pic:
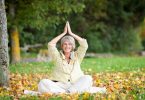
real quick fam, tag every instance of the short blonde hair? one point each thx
(70, 39)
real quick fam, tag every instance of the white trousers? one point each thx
(84, 84)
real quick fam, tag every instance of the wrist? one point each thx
(71, 33)
(64, 33)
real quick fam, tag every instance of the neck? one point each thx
(67, 54)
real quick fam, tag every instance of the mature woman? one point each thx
(67, 76)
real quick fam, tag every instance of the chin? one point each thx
(67, 51)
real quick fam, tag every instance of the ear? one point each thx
(72, 48)
(61, 46)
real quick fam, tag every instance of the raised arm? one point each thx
(56, 39)
(78, 38)
(83, 44)
(52, 50)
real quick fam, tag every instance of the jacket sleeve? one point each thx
(81, 51)
(53, 53)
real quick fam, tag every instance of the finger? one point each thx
(65, 28)
(68, 26)
(66, 22)
(65, 25)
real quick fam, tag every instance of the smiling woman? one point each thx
(68, 45)
(68, 41)
(67, 76)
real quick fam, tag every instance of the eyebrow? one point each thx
(68, 43)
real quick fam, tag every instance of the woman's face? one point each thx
(67, 46)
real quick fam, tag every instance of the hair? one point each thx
(70, 39)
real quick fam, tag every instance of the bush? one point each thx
(106, 39)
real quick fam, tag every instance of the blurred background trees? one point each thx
(36, 21)
(109, 26)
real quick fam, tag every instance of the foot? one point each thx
(97, 90)
(31, 92)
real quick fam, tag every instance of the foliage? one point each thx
(111, 25)
(35, 18)
(119, 86)
(122, 76)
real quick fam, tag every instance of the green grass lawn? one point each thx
(113, 64)
(127, 72)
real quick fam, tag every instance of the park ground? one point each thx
(124, 78)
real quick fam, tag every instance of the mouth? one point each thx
(67, 49)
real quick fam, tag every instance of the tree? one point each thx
(32, 18)
(113, 24)
(4, 59)
(104, 22)
(14, 34)
(15, 47)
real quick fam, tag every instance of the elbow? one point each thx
(51, 44)
(85, 44)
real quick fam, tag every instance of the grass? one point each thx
(97, 65)
(33, 67)
(113, 64)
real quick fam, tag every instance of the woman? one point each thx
(67, 76)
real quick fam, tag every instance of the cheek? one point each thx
(71, 47)
(62, 46)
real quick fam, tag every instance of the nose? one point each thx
(67, 45)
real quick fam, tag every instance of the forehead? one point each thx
(66, 42)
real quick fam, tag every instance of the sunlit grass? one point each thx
(33, 67)
(122, 76)
(114, 64)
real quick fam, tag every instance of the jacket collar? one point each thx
(71, 55)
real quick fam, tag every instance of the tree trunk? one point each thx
(15, 47)
(4, 58)
(14, 36)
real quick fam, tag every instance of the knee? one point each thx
(44, 81)
(44, 85)
(88, 78)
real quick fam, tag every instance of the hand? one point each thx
(65, 28)
(69, 29)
